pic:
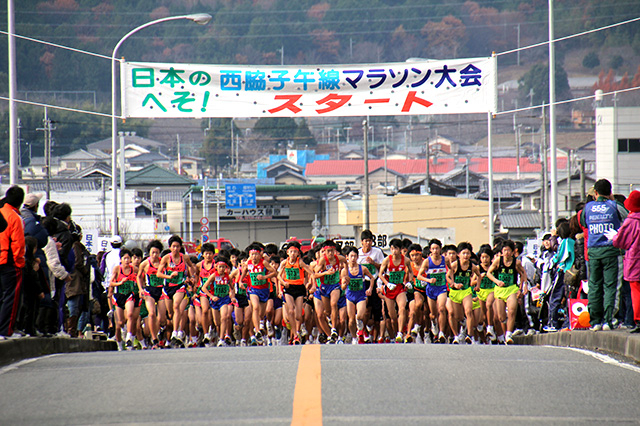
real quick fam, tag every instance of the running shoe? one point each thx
(360, 339)
(549, 329)
(322, 338)
(408, 339)
(253, 341)
(120, 346)
(227, 339)
(415, 330)
(259, 338)
(596, 327)
(136, 344)
(606, 327)
(456, 340)
(334, 334)
(270, 332)
(340, 341)
(129, 342)
(206, 339)
(508, 338)
(441, 337)
(243, 342)
(367, 335)
(296, 340)
(468, 340)
(221, 343)
(434, 328)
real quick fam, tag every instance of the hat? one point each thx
(632, 203)
(31, 200)
(116, 239)
(592, 192)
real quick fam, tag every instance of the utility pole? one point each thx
(427, 186)
(19, 144)
(179, 156)
(47, 149)
(237, 156)
(367, 223)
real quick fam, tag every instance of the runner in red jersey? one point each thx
(395, 272)
(151, 290)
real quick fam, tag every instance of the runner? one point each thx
(485, 291)
(316, 299)
(504, 273)
(242, 309)
(179, 270)
(416, 294)
(328, 268)
(353, 280)
(259, 272)
(294, 275)
(395, 271)
(206, 269)
(459, 278)
(221, 293)
(125, 297)
(371, 257)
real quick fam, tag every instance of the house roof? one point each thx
(536, 185)
(290, 172)
(503, 189)
(105, 144)
(519, 219)
(155, 175)
(97, 168)
(285, 163)
(63, 185)
(81, 154)
(150, 157)
(418, 167)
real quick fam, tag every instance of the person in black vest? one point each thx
(605, 260)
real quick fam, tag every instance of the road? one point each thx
(368, 384)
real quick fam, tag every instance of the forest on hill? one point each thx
(300, 32)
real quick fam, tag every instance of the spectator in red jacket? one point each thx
(12, 249)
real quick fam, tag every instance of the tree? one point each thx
(277, 130)
(216, 148)
(537, 80)
(591, 60)
(444, 37)
(616, 62)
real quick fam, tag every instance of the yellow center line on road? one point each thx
(307, 397)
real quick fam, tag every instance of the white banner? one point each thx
(455, 86)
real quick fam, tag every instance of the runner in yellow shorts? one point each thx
(504, 273)
(459, 278)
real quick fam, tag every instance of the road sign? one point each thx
(205, 238)
(240, 196)
(204, 221)
(204, 229)
(167, 228)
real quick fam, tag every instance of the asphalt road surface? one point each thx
(313, 384)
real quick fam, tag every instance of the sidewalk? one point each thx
(619, 342)
(13, 350)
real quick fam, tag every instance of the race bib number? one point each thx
(221, 290)
(292, 274)
(255, 281)
(355, 284)
(507, 279)
(331, 279)
(441, 279)
(396, 277)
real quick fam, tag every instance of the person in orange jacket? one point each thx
(12, 250)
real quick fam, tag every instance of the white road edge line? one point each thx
(603, 358)
(18, 364)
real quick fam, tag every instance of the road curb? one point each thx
(617, 342)
(13, 350)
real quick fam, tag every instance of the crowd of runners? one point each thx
(330, 294)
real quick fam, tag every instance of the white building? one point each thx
(618, 147)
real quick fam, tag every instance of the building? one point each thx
(618, 147)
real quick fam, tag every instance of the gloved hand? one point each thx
(610, 233)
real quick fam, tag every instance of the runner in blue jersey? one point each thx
(353, 281)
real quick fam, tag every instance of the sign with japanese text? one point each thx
(278, 211)
(240, 196)
(455, 86)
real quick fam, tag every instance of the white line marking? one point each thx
(18, 364)
(602, 358)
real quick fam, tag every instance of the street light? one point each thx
(198, 18)
(153, 214)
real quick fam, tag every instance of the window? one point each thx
(628, 145)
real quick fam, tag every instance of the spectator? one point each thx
(599, 216)
(32, 225)
(628, 238)
(564, 259)
(47, 321)
(12, 262)
(77, 290)
(33, 288)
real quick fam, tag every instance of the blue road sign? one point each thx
(240, 196)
